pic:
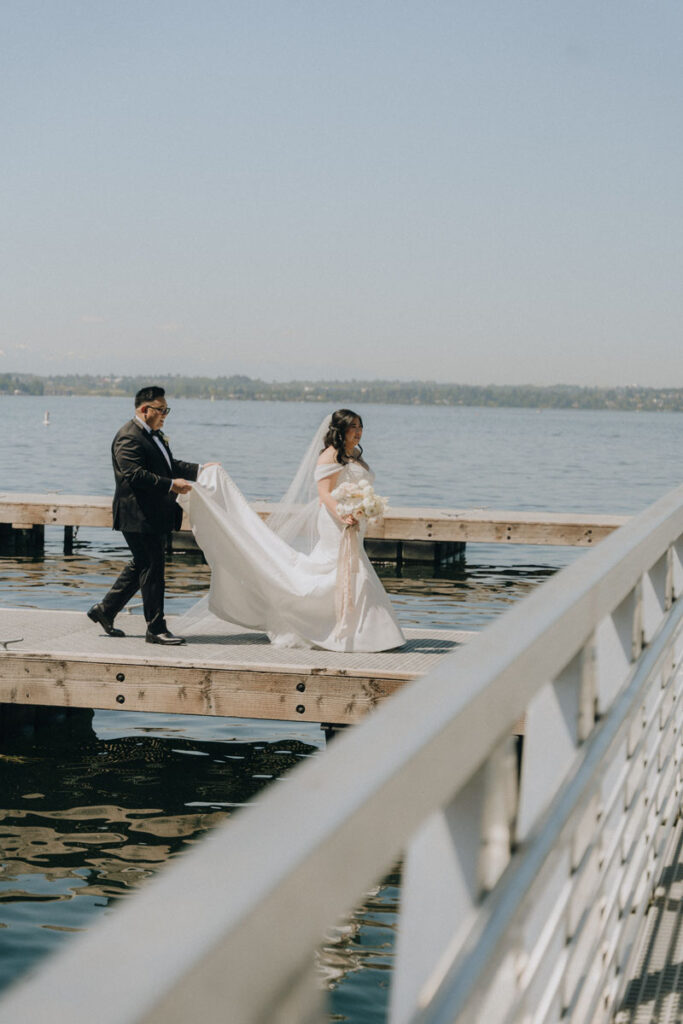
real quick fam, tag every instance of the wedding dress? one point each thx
(260, 581)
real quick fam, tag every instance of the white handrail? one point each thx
(228, 931)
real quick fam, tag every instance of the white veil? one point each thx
(295, 517)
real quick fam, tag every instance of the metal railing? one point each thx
(522, 891)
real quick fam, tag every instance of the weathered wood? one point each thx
(211, 691)
(493, 527)
(485, 526)
(65, 661)
(56, 509)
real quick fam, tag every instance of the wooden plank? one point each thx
(63, 660)
(280, 696)
(495, 526)
(484, 526)
(56, 509)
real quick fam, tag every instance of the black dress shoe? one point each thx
(168, 639)
(97, 614)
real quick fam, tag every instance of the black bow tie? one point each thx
(156, 433)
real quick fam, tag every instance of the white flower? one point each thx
(359, 500)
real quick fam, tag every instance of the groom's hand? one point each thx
(181, 486)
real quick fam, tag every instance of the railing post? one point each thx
(587, 698)
(616, 644)
(441, 885)
(655, 597)
(675, 554)
(499, 813)
(551, 737)
(459, 854)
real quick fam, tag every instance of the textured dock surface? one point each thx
(63, 659)
(655, 987)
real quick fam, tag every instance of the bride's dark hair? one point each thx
(341, 420)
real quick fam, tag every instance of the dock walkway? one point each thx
(64, 660)
(437, 525)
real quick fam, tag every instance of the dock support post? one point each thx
(430, 553)
(438, 555)
(331, 729)
(21, 723)
(22, 538)
(68, 540)
(17, 721)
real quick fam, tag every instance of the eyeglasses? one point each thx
(164, 412)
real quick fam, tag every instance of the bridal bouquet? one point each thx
(359, 500)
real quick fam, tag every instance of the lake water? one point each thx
(87, 816)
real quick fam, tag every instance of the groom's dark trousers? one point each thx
(146, 511)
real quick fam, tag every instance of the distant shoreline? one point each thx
(339, 393)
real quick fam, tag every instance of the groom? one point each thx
(148, 479)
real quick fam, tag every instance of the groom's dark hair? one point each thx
(148, 394)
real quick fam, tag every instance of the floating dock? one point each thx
(62, 659)
(405, 534)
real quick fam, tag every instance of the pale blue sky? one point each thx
(476, 192)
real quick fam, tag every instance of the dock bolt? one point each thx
(301, 687)
(300, 709)
(120, 699)
(120, 678)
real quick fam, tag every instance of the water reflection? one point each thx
(460, 597)
(85, 822)
(457, 597)
(356, 958)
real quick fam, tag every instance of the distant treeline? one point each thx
(347, 392)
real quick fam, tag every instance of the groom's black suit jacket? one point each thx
(143, 500)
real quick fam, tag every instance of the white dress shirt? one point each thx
(158, 443)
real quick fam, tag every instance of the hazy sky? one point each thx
(466, 191)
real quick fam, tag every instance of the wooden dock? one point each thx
(62, 659)
(401, 526)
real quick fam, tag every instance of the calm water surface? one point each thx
(89, 815)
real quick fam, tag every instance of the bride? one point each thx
(304, 577)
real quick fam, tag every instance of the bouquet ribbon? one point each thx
(347, 569)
